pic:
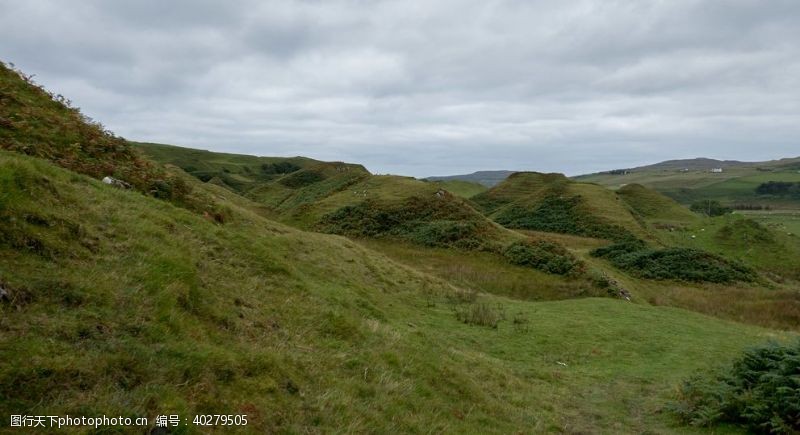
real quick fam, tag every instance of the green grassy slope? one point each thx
(464, 189)
(236, 171)
(735, 185)
(170, 312)
(552, 202)
(654, 206)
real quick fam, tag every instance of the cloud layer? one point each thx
(424, 87)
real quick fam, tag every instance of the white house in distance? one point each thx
(716, 170)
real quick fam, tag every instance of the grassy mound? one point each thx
(553, 203)
(745, 233)
(673, 263)
(429, 221)
(651, 204)
(238, 172)
(760, 391)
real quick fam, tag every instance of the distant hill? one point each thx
(487, 178)
(732, 182)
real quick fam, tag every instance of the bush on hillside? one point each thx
(427, 221)
(559, 214)
(673, 263)
(301, 179)
(710, 208)
(545, 256)
(760, 391)
(278, 168)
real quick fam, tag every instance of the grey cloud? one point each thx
(423, 87)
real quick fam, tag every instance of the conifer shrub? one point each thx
(759, 391)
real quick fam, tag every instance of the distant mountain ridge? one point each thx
(487, 178)
(703, 163)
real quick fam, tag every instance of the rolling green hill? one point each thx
(688, 181)
(236, 171)
(181, 297)
(552, 202)
(485, 178)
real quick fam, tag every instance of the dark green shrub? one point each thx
(760, 391)
(779, 188)
(426, 221)
(673, 263)
(545, 256)
(279, 168)
(301, 179)
(559, 214)
(710, 208)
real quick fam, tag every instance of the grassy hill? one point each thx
(133, 302)
(688, 181)
(486, 178)
(553, 203)
(464, 189)
(236, 171)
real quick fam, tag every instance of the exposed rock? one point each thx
(116, 183)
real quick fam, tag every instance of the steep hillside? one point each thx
(553, 203)
(38, 123)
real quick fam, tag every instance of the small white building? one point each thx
(716, 170)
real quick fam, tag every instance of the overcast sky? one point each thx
(428, 87)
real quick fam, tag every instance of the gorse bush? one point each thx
(545, 256)
(760, 391)
(673, 263)
(559, 214)
(435, 222)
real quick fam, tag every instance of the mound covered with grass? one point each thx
(553, 203)
(677, 263)
(236, 172)
(653, 205)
